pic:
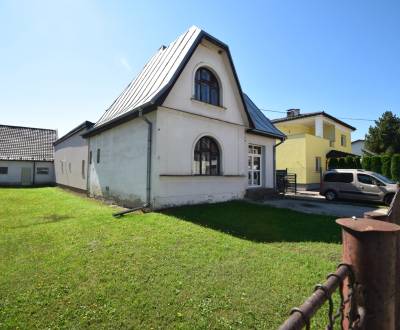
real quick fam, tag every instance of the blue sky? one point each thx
(63, 62)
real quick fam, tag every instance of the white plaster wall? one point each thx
(121, 173)
(357, 148)
(14, 172)
(71, 151)
(182, 93)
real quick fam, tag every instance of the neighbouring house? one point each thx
(312, 138)
(26, 156)
(358, 148)
(182, 132)
(71, 158)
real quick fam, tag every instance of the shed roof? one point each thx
(26, 143)
(85, 125)
(150, 88)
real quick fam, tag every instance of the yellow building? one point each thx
(311, 139)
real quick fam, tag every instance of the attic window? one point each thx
(206, 87)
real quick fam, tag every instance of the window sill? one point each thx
(219, 107)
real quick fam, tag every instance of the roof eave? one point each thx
(266, 134)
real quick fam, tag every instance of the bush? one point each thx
(395, 167)
(349, 161)
(386, 163)
(332, 163)
(341, 163)
(366, 163)
(357, 161)
(376, 164)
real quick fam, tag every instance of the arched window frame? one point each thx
(207, 87)
(207, 157)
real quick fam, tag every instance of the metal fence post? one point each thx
(370, 247)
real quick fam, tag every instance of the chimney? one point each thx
(292, 113)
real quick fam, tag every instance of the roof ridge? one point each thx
(27, 127)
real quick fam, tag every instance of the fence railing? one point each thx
(346, 311)
(286, 182)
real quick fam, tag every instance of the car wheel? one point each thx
(330, 195)
(388, 199)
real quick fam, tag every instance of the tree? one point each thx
(349, 160)
(332, 163)
(376, 164)
(386, 164)
(366, 163)
(395, 167)
(384, 137)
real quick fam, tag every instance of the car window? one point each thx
(383, 178)
(367, 179)
(339, 177)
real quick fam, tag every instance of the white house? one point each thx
(182, 132)
(26, 156)
(358, 148)
(71, 158)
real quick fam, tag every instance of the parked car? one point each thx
(357, 184)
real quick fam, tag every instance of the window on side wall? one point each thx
(3, 170)
(98, 155)
(42, 170)
(317, 164)
(62, 166)
(83, 169)
(90, 157)
(69, 167)
(343, 140)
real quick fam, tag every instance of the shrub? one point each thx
(376, 164)
(349, 161)
(332, 163)
(395, 167)
(386, 162)
(366, 163)
(341, 163)
(357, 161)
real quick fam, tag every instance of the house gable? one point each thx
(182, 95)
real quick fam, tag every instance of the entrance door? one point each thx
(254, 166)
(26, 176)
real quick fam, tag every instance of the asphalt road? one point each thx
(336, 209)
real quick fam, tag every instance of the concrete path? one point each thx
(336, 209)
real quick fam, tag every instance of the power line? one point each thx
(345, 118)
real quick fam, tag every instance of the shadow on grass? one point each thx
(51, 218)
(260, 223)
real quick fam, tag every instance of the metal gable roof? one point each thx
(262, 124)
(150, 88)
(26, 143)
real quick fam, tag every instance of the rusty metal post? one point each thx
(370, 246)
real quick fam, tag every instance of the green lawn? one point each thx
(65, 262)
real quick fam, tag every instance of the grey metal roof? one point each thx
(84, 126)
(261, 123)
(26, 143)
(150, 88)
(154, 77)
(312, 114)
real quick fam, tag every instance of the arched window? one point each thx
(206, 157)
(206, 87)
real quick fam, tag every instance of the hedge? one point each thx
(376, 164)
(386, 165)
(332, 163)
(395, 167)
(366, 163)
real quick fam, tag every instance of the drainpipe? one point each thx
(274, 160)
(149, 148)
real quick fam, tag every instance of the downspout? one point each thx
(274, 159)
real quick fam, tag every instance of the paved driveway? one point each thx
(337, 209)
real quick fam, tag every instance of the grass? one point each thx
(67, 263)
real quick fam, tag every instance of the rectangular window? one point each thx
(98, 155)
(90, 157)
(254, 165)
(62, 166)
(83, 169)
(42, 170)
(69, 167)
(317, 164)
(343, 140)
(339, 177)
(3, 170)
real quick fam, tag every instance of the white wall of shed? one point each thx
(72, 151)
(13, 177)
